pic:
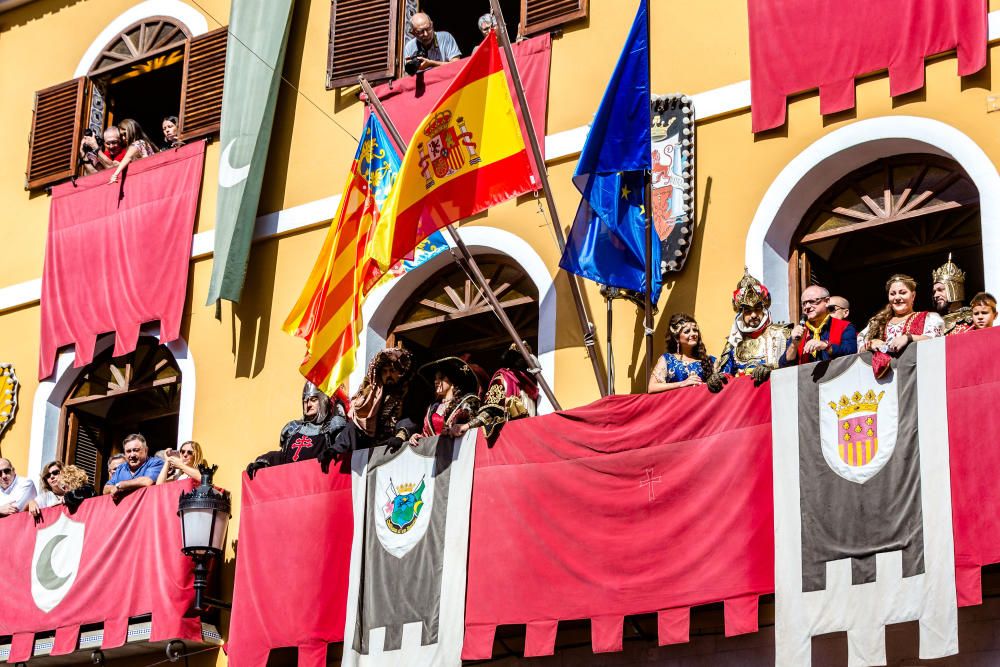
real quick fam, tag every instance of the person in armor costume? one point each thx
(755, 345)
(456, 397)
(948, 294)
(512, 394)
(311, 437)
(381, 410)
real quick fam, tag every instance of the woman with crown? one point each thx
(755, 345)
(897, 325)
(686, 363)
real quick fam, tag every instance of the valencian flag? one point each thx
(862, 505)
(328, 312)
(467, 155)
(255, 53)
(607, 243)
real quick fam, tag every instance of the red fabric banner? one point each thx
(407, 101)
(799, 45)
(104, 564)
(296, 527)
(630, 505)
(973, 394)
(117, 255)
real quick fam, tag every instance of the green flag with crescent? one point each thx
(258, 32)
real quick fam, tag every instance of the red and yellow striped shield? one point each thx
(858, 437)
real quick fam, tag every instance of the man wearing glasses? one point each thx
(429, 48)
(15, 492)
(820, 336)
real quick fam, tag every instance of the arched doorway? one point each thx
(898, 214)
(115, 396)
(449, 316)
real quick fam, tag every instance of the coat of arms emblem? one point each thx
(8, 395)
(444, 154)
(859, 421)
(404, 501)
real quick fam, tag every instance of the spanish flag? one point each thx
(467, 155)
(328, 312)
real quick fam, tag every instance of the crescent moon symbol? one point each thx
(47, 577)
(228, 174)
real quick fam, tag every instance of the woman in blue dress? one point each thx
(686, 363)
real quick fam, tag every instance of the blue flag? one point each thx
(607, 242)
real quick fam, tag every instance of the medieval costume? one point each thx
(311, 437)
(378, 413)
(512, 394)
(750, 349)
(446, 413)
(957, 318)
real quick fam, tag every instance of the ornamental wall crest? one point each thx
(9, 387)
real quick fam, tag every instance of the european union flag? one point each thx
(607, 242)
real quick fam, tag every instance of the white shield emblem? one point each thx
(56, 561)
(858, 421)
(404, 497)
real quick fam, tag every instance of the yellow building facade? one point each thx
(240, 378)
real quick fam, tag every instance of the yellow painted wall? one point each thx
(247, 379)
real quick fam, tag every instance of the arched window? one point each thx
(449, 316)
(151, 69)
(902, 214)
(115, 396)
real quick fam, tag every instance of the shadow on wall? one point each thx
(681, 298)
(272, 193)
(253, 312)
(33, 11)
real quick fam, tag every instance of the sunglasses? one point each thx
(52, 473)
(187, 451)
(6, 471)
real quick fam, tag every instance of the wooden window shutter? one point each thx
(201, 94)
(85, 448)
(540, 15)
(55, 128)
(364, 39)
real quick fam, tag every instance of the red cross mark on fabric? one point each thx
(649, 482)
(303, 442)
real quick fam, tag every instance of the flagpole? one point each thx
(581, 309)
(648, 301)
(477, 274)
(648, 196)
(609, 294)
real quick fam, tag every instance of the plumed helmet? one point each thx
(750, 293)
(953, 279)
(310, 390)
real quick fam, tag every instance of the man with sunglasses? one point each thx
(15, 492)
(839, 307)
(819, 336)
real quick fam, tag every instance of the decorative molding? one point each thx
(186, 14)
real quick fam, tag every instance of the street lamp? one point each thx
(205, 512)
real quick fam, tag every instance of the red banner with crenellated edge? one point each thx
(117, 255)
(800, 45)
(296, 527)
(630, 505)
(104, 564)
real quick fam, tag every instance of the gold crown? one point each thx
(438, 124)
(405, 488)
(952, 277)
(857, 403)
(658, 130)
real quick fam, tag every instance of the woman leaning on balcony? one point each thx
(897, 325)
(686, 363)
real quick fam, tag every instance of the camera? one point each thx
(412, 64)
(98, 139)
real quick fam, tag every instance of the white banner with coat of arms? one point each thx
(862, 505)
(406, 596)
